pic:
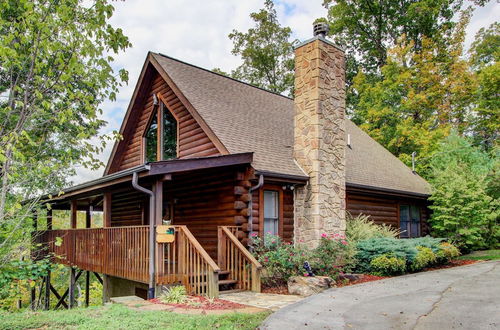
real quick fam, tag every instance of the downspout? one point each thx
(250, 216)
(135, 184)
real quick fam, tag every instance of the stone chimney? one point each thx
(319, 133)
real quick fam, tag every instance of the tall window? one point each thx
(164, 135)
(271, 212)
(409, 221)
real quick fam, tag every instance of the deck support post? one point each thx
(33, 256)
(87, 289)
(47, 292)
(72, 281)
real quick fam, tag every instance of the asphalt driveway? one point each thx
(466, 297)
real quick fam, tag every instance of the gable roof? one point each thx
(246, 118)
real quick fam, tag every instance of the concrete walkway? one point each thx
(261, 300)
(466, 297)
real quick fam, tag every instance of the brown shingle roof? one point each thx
(249, 119)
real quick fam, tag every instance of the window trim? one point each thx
(159, 108)
(279, 190)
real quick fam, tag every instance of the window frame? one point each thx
(420, 219)
(279, 190)
(159, 108)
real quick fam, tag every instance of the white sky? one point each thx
(196, 31)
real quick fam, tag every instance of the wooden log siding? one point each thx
(205, 200)
(384, 210)
(193, 142)
(127, 208)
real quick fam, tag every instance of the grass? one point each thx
(482, 255)
(121, 317)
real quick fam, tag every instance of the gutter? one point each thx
(250, 216)
(151, 284)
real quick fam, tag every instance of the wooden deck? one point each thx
(124, 252)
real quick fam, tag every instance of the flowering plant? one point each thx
(334, 255)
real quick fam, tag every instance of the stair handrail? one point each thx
(255, 265)
(199, 248)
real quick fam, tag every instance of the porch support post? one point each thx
(72, 281)
(74, 213)
(87, 288)
(158, 191)
(106, 206)
(47, 291)
(34, 254)
(88, 216)
(49, 219)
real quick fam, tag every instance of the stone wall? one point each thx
(319, 146)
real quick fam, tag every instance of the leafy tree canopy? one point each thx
(464, 209)
(55, 70)
(266, 51)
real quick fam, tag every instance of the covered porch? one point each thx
(206, 203)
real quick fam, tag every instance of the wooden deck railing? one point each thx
(235, 258)
(117, 251)
(185, 261)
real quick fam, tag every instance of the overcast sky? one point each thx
(196, 32)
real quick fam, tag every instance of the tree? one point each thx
(55, 70)
(484, 58)
(420, 97)
(266, 51)
(463, 210)
(368, 29)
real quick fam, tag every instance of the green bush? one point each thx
(446, 252)
(280, 260)
(388, 264)
(406, 249)
(174, 295)
(361, 227)
(333, 255)
(424, 258)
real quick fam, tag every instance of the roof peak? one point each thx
(221, 75)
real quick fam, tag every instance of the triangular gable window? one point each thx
(164, 135)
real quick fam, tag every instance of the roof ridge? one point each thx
(221, 75)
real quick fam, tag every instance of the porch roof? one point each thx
(150, 170)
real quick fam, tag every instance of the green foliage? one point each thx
(116, 316)
(17, 277)
(447, 252)
(463, 210)
(387, 265)
(174, 295)
(482, 255)
(402, 248)
(424, 258)
(56, 70)
(361, 227)
(281, 260)
(266, 51)
(333, 255)
(368, 29)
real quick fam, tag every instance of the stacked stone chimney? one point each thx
(319, 131)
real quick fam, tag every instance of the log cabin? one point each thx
(214, 160)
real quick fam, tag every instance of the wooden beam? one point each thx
(74, 213)
(98, 277)
(107, 209)
(88, 216)
(158, 191)
(72, 282)
(47, 292)
(87, 289)
(49, 219)
(58, 296)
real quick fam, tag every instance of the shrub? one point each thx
(281, 260)
(174, 295)
(425, 257)
(401, 248)
(333, 255)
(446, 252)
(361, 227)
(388, 264)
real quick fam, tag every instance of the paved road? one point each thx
(466, 297)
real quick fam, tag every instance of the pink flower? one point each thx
(254, 235)
(306, 274)
(324, 235)
(343, 242)
(266, 259)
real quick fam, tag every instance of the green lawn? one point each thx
(120, 317)
(482, 255)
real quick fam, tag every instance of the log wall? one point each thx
(127, 208)
(193, 142)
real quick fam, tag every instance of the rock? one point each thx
(306, 286)
(350, 277)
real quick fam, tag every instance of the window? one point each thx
(167, 138)
(409, 221)
(271, 212)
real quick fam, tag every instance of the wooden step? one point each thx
(224, 272)
(230, 291)
(226, 282)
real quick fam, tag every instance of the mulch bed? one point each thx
(362, 279)
(276, 289)
(453, 263)
(197, 302)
